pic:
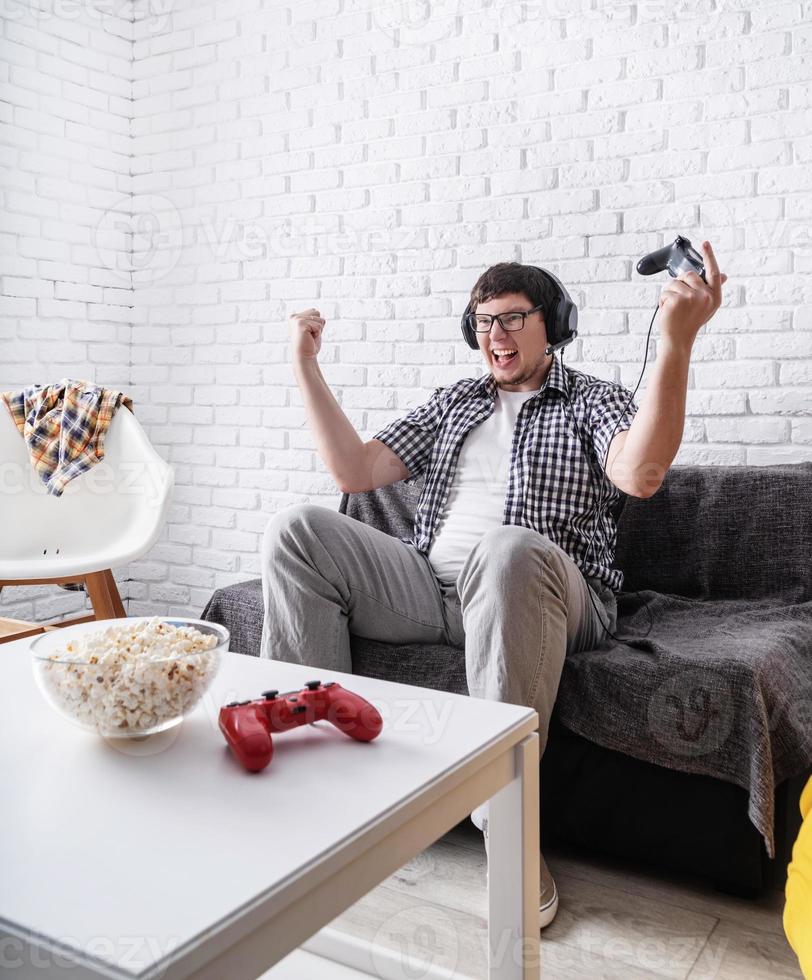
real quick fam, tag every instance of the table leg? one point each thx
(513, 871)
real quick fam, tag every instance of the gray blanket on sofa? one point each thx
(712, 671)
(721, 687)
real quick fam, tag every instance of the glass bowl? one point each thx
(125, 694)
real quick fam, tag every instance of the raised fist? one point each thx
(305, 334)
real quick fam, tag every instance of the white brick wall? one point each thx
(370, 161)
(65, 306)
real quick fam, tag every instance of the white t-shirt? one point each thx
(476, 499)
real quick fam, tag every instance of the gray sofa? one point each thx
(686, 741)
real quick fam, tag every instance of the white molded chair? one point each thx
(108, 516)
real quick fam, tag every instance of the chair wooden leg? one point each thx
(104, 597)
(100, 598)
(112, 588)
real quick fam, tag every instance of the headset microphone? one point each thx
(552, 348)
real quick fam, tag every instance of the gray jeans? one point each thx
(520, 603)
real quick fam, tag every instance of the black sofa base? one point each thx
(608, 802)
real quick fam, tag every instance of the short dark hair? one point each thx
(513, 277)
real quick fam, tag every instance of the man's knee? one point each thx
(509, 558)
(511, 546)
(292, 524)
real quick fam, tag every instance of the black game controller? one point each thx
(677, 258)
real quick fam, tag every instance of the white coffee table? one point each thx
(163, 858)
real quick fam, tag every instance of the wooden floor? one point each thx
(616, 921)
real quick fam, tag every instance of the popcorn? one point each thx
(131, 679)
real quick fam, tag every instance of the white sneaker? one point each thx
(548, 895)
(548, 891)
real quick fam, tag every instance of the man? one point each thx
(501, 555)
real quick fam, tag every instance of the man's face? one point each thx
(525, 369)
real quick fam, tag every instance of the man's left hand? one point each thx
(687, 302)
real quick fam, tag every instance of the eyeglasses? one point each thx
(482, 322)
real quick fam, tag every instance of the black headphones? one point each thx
(561, 320)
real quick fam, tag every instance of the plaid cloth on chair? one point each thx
(64, 426)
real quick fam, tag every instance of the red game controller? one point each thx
(247, 725)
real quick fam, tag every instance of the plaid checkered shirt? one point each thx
(64, 425)
(553, 483)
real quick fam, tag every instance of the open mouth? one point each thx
(504, 357)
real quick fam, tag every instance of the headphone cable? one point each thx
(603, 478)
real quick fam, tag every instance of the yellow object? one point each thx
(798, 908)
